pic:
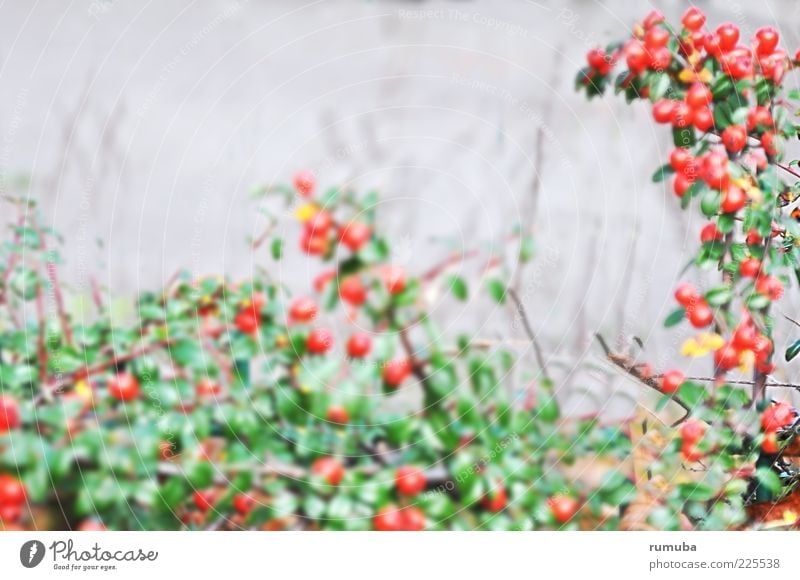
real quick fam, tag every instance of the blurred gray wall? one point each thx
(146, 124)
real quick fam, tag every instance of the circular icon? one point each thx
(31, 553)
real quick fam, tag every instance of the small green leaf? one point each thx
(662, 173)
(458, 287)
(692, 393)
(793, 350)
(719, 296)
(497, 290)
(277, 249)
(674, 317)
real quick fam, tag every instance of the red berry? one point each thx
(733, 199)
(496, 500)
(355, 235)
(319, 341)
(247, 321)
(681, 115)
(599, 61)
(313, 244)
(320, 224)
(359, 344)
(753, 238)
(328, 469)
(656, 37)
(672, 380)
(763, 348)
(759, 118)
(744, 337)
(636, 56)
(703, 119)
(734, 138)
(710, 233)
(563, 507)
(700, 314)
(749, 267)
(396, 371)
(304, 183)
(410, 480)
(770, 443)
(10, 513)
(698, 96)
(653, 17)
(713, 45)
(714, 170)
(681, 184)
(389, 519)
(413, 519)
(123, 387)
(686, 294)
(9, 413)
(243, 503)
(692, 431)
(728, 36)
(679, 158)
(204, 499)
(352, 291)
(726, 358)
(767, 40)
(662, 111)
(769, 286)
(768, 143)
(660, 59)
(691, 453)
(693, 19)
(303, 309)
(394, 278)
(777, 416)
(206, 387)
(322, 279)
(337, 414)
(12, 491)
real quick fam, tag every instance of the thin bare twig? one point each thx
(625, 363)
(526, 324)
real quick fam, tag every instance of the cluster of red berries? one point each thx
(205, 499)
(774, 418)
(649, 48)
(698, 311)
(320, 231)
(12, 498)
(391, 518)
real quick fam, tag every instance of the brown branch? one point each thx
(526, 324)
(41, 347)
(97, 296)
(58, 295)
(625, 363)
(103, 366)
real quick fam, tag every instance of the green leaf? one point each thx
(674, 317)
(458, 286)
(526, 249)
(692, 393)
(497, 290)
(793, 350)
(719, 296)
(277, 249)
(658, 84)
(709, 204)
(769, 480)
(662, 173)
(721, 87)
